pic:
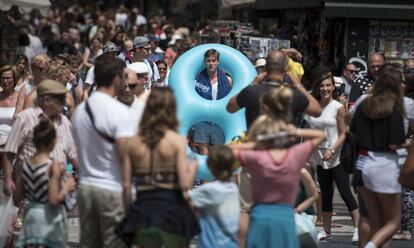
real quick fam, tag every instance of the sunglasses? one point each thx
(352, 71)
(145, 48)
(131, 86)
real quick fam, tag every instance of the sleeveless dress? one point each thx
(159, 204)
(44, 224)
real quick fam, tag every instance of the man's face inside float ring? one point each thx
(212, 63)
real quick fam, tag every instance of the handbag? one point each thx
(349, 153)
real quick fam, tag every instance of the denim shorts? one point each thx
(208, 133)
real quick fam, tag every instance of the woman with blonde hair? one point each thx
(40, 65)
(275, 170)
(58, 70)
(160, 215)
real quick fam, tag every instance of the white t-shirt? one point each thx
(214, 91)
(98, 159)
(136, 110)
(140, 20)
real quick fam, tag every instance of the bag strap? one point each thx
(103, 135)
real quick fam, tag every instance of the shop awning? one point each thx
(25, 6)
(399, 10)
(286, 4)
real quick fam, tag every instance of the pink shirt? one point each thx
(276, 181)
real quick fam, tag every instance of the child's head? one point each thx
(44, 135)
(220, 161)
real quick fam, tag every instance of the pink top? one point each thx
(276, 181)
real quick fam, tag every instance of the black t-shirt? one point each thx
(249, 98)
(377, 135)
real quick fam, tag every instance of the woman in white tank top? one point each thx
(326, 157)
(8, 99)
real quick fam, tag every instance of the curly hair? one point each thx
(160, 115)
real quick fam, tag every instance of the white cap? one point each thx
(338, 81)
(260, 62)
(174, 39)
(139, 67)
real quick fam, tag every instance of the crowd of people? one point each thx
(88, 119)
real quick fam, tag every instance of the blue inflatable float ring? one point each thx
(192, 108)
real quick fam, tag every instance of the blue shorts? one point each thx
(208, 133)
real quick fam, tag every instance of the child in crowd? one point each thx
(218, 201)
(44, 222)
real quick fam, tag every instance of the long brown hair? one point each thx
(160, 115)
(386, 95)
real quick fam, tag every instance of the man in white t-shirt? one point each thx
(127, 96)
(101, 126)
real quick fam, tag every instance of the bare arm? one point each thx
(186, 172)
(123, 146)
(85, 58)
(259, 78)
(9, 185)
(18, 194)
(55, 195)
(85, 94)
(313, 109)
(232, 105)
(70, 102)
(29, 100)
(20, 100)
(317, 136)
(311, 191)
(407, 171)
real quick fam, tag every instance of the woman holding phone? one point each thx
(326, 157)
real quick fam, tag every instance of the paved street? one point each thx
(343, 234)
(341, 239)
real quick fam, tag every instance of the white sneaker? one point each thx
(355, 239)
(322, 235)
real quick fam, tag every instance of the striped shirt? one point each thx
(36, 181)
(20, 140)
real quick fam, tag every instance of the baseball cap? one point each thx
(153, 37)
(140, 41)
(139, 67)
(50, 87)
(260, 62)
(110, 47)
